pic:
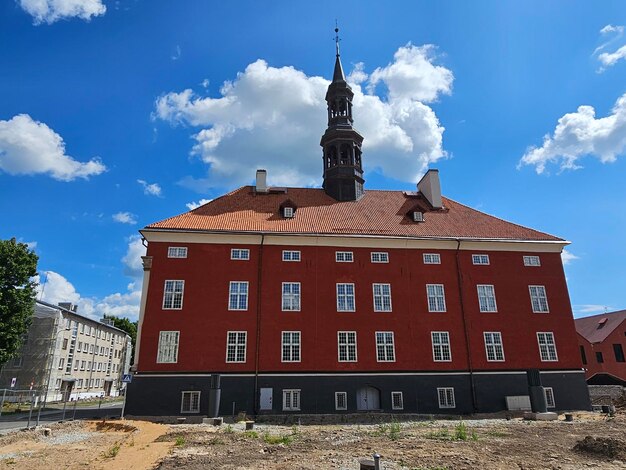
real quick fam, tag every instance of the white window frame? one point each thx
(192, 394)
(436, 300)
(384, 298)
(61, 362)
(290, 346)
(288, 212)
(240, 254)
(532, 260)
(288, 399)
(344, 346)
(235, 346)
(346, 297)
(480, 259)
(176, 251)
(344, 396)
(548, 353)
(293, 256)
(536, 300)
(379, 257)
(447, 393)
(488, 294)
(290, 300)
(235, 302)
(344, 256)
(549, 394)
(168, 353)
(494, 345)
(171, 294)
(431, 258)
(400, 405)
(442, 351)
(388, 349)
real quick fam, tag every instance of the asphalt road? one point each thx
(14, 422)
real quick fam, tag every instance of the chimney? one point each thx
(431, 189)
(69, 306)
(261, 181)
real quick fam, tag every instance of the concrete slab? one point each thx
(549, 416)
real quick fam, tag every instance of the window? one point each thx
(177, 252)
(341, 401)
(480, 259)
(441, 346)
(346, 343)
(547, 348)
(345, 297)
(76, 365)
(61, 362)
(382, 297)
(380, 257)
(599, 357)
(64, 343)
(240, 254)
(238, 295)
(291, 400)
(619, 352)
(532, 261)
(549, 393)
(446, 397)
(168, 347)
(17, 361)
(436, 298)
(82, 328)
(385, 350)
(288, 212)
(432, 258)
(102, 350)
(97, 382)
(538, 299)
(82, 366)
(79, 347)
(396, 401)
(91, 349)
(190, 402)
(583, 355)
(291, 346)
(291, 296)
(487, 298)
(344, 256)
(173, 295)
(79, 383)
(291, 255)
(493, 346)
(236, 346)
(99, 366)
(93, 331)
(58, 383)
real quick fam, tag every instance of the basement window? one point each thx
(549, 392)
(341, 401)
(396, 401)
(190, 402)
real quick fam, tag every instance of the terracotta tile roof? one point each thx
(384, 213)
(587, 327)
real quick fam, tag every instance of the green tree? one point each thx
(18, 265)
(129, 327)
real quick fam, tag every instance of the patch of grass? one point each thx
(215, 441)
(496, 434)
(442, 434)
(229, 429)
(460, 432)
(394, 431)
(285, 439)
(180, 441)
(112, 452)
(251, 434)
(10, 461)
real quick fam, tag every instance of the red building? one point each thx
(602, 341)
(343, 299)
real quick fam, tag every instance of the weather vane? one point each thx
(337, 38)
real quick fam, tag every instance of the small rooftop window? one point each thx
(602, 323)
(288, 212)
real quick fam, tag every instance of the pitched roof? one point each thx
(597, 328)
(378, 213)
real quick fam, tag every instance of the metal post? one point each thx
(376, 461)
(30, 413)
(124, 404)
(64, 406)
(99, 401)
(75, 404)
(4, 394)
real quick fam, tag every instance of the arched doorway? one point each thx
(368, 398)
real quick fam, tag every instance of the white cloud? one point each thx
(608, 59)
(579, 134)
(54, 288)
(152, 189)
(585, 310)
(176, 54)
(194, 205)
(125, 218)
(567, 257)
(49, 11)
(133, 266)
(29, 147)
(274, 117)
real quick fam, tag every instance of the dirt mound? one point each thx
(602, 447)
(104, 426)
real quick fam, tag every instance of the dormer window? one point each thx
(288, 209)
(418, 216)
(288, 212)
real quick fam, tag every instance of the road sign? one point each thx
(127, 378)
(13, 381)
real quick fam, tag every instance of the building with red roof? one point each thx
(346, 299)
(602, 341)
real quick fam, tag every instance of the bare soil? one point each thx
(591, 441)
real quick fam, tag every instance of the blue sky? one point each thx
(116, 114)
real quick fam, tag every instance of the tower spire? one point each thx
(336, 38)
